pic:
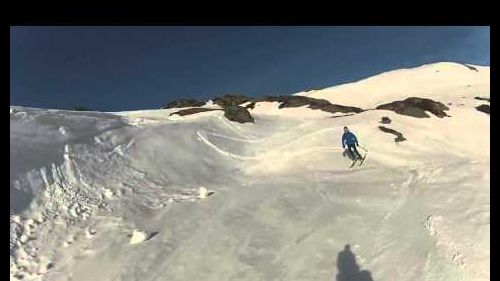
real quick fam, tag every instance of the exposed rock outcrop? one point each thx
(194, 110)
(416, 107)
(470, 67)
(184, 103)
(484, 108)
(385, 120)
(484, 99)
(251, 105)
(228, 100)
(312, 103)
(399, 136)
(238, 114)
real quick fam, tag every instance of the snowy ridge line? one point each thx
(235, 128)
(141, 121)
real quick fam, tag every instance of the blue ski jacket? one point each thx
(349, 139)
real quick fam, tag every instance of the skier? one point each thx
(351, 141)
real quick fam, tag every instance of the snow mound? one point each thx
(138, 236)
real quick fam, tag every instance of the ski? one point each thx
(362, 160)
(353, 163)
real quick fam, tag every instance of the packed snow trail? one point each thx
(125, 196)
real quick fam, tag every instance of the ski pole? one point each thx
(363, 148)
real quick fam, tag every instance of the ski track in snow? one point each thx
(202, 136)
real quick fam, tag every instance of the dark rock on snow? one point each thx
(470, 67)
(416, 107)
(251, 105)
(485, 99)
(228, 100)
(184, 103)
(484, 108)
(385, 120)
(298, 101)
(238, 114)
(190, 111)
(399, 136)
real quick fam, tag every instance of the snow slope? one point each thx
(446, 81)
(147, 196)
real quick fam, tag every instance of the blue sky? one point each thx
(126, 68)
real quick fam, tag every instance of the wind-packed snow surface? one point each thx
(147, 196)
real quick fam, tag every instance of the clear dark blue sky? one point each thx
(125, 68)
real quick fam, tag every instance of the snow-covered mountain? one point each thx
(146, 195)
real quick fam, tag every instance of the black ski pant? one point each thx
(353, 151)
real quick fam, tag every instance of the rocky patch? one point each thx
(231, 104)
(250, 105)
(228, 100)
(470, 67)
(298, 101)
(238, 114)
(385, 120)
(483, 99)
(184, 103)
(416, 107)
(484, 108)
(194, 110)
(339, 116)
(285, 101)
(399, 136)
